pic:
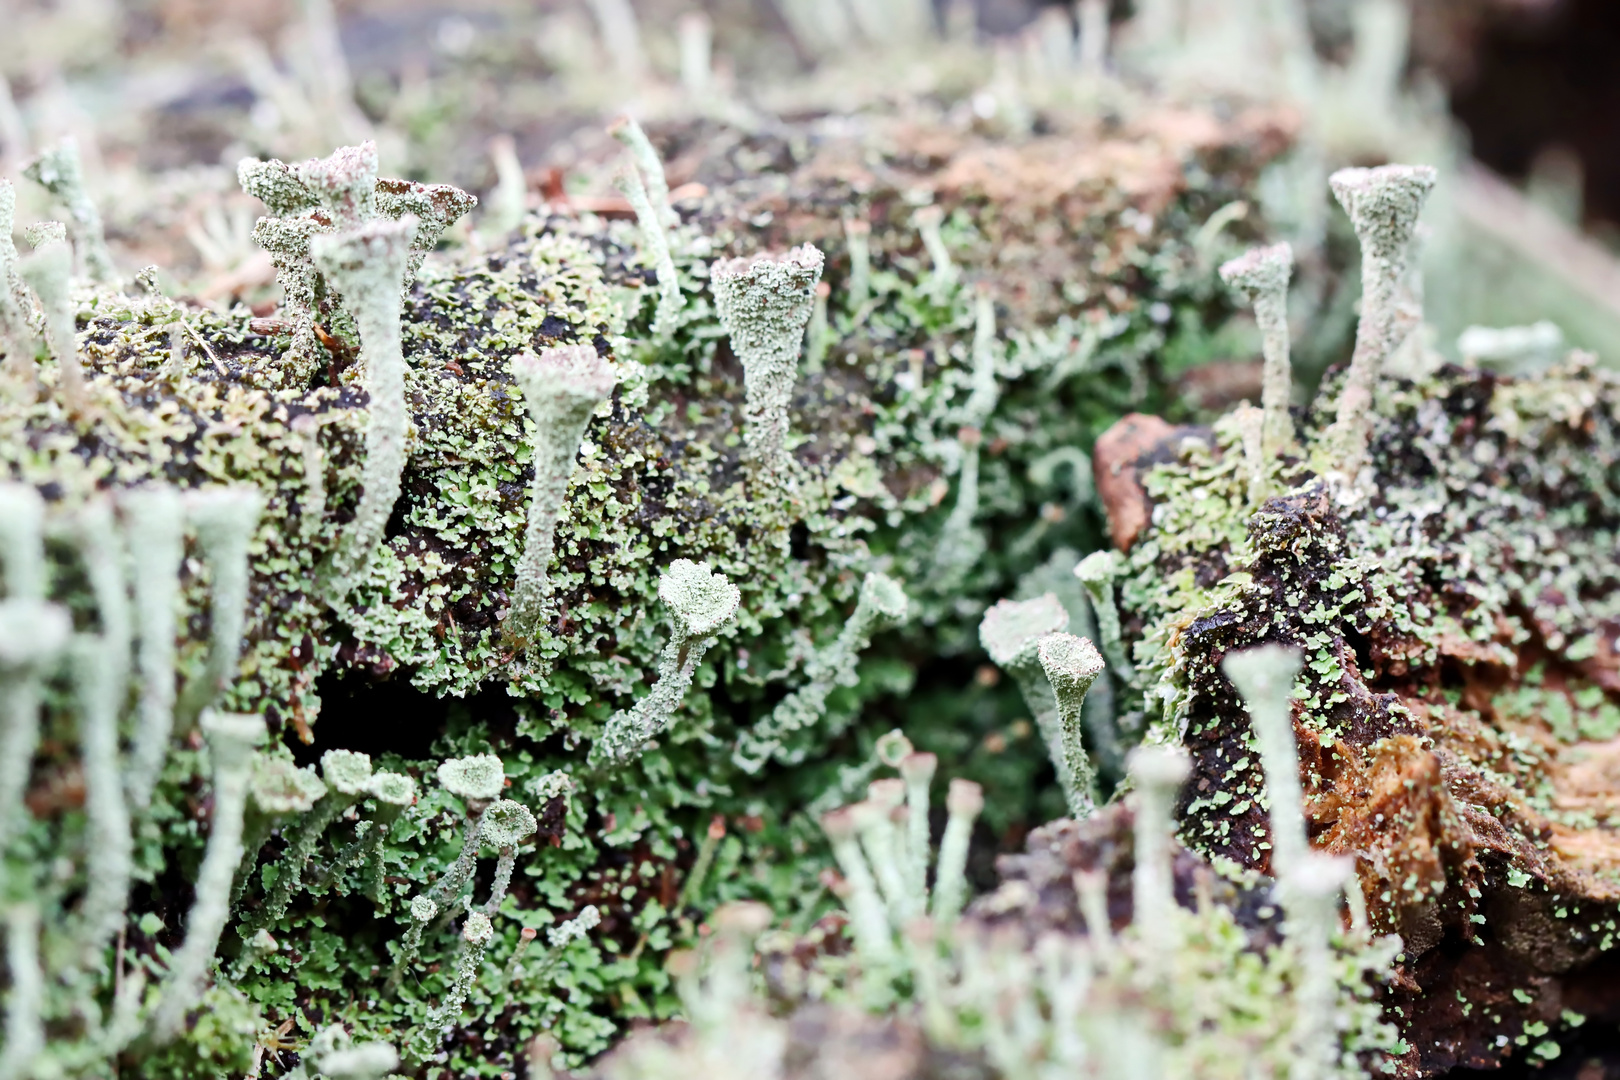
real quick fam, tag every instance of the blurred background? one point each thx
(1517, 100)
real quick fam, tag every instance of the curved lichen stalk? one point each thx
(225, 519)
(367, 264)
(656, 241)
(764, 304)
(1096, 573)
(232, 740)
(59, 171)
(882, 603)
(700, 602)
(562, 388)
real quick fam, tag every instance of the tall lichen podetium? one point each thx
(961, 545)
(16, 339)
(874, 940)
(1265, 677)
(700, 602)
(32, 637)
(656, 240)
(1312, 891)
(477, 780)
(49, 272)
(154, 518)
(562, 387)
(367, 265)
(764, 304)
(1072, 664)
(1262, 275)
(59, 171)
(1384, 205)
(882, 603)
(1158, 773)
(649, 165)
(225, 519)
(232, 740)
(1011, 633)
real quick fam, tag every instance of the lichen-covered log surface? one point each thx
(1458, 718)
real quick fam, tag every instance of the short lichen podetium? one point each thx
(225, 519)
(504, 826)
(1072, 664)
(1011, 632)
(154, 520)
(656, 241)
(764, 304)
(1157, 772)
(1097, 573)
(477, 780)
(346, 776)
(1384, 205)
(1262, 275)
(1265, 677)
(49, 272)
(882, 603)
(476, 933)
(393, 793)
(231, 740)
(59, 171)
(422, 910)
(367, 265)
(562, 387)
(700, 602)
(279, 790)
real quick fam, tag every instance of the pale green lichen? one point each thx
(1072, 665)
(562, 388)
(1262, 275)
(59, 171)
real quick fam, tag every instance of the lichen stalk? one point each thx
(422, 910)
(48, 271)
(25, 1025)
(154, 518)
(232, 739)
(874, 821)
(476, 933)
(97, 691)
(1312, 890)
(368, 265)
(649, 165)
(964, 801)
(347, 776)
(1097, 572)
(1262, 275)
(1011, 632)
(562, 388)
(867, 919)
(882, 602)
(59, 171)
(32, 636)
(917, 770)
(225, 520)
(764, 304)
(1384, 205)
(929, 221)
(1265, 677)
(858, 235)
(656, 241)
(16, 341)
(1158, 773)
(700, 603)
(1072, 665)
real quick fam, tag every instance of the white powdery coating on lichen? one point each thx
(562, 388)
(505, 823)
(395, 789)
(59, 171)
(1012, 629)
(765, 303)
(700, 599)
(1265, 677)
(479, 777)
(279, 787)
